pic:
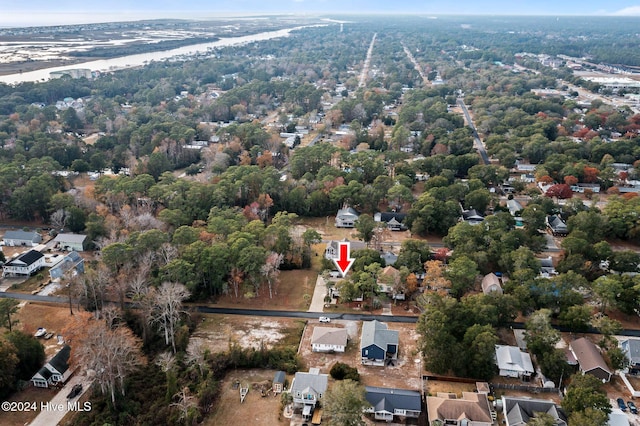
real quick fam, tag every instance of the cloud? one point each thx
(628, 11)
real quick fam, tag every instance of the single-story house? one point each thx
(329, 339)
(278, 382)
(631, 349)
(389, 258)
(512, 362)
(21, 238)
(70, 242)
(472, 217)
(519, 411)
(72, 261)
(547, 270)
(491, 283)
(308, 389)
(387, 403)
(393, 220)
(472, 409)
(514, 207)
(590, 359)
(25, 264)
(557, 226)
(346, 218)
(378, 344)
(55, 371)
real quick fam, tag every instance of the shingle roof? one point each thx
(61, 359)
(386, 399)
(279, 377)
(329, 336)
(588, 355)
(376, 333)
(518, 411)
(472, 406)
(305, 382)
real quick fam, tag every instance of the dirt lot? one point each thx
(52, 317)
(255, 410)
(218, 331)
(404, 375)
(294, 293)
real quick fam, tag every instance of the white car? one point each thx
(324, 319)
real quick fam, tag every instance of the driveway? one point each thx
(320, 291)
(53, 412)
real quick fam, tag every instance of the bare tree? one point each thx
(166, 361)
(168, 309)
(236, 278)
(196, 353)
(58, 219)
(112, 353)
(186, 404)
(271, 270)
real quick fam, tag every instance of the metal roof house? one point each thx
(590, 359)
(71, 261)
(21, 238)
(519, 411)
(512, 362)
(55, 371)
(346, 218)
(25, 264)
(378, 344)
(491, 283)
(70, 242)
(386, 403)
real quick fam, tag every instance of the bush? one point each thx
(342, 371)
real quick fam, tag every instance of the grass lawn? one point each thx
(33, 283)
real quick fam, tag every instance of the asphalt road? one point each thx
(478, 143)
(294, 314)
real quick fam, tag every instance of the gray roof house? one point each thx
(387, 403)
(557, 226)
(308, 389)
(332, 251)
(278, 381)
(329, 339)
(25, 264)
(21, 238)
(55, 371)
(72, 261)
(519, 411)
(512, 362)
(69, 242)
(346, 218)
(590, 359)
(514, 207)
(378, 344)
(631, 349)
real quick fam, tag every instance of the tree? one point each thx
(480, 345)
(585, 391)
(344, 403)
(8, 307)
(462, 273)
(365, 226)
(113, 353)
(559, 190)
(588, 417)
(8, 363)
(342, 371)
(29, 351)
(168, 310)
(271, 270)
(539, 335)
(542, 419)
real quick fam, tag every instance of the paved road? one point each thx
(297, 314)
(477, 142)
(53, 412)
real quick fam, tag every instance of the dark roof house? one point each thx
(387, 403)
(557, 225)
(394, 221)
(25, 264)
(519, 411)
(55, 371)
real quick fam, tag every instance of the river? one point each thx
(130, 61)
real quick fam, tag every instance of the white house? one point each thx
(69, 242)
(346, 218)
(329, 339)
(21, 238)
(55, 371)
(25, 264)
(307, 389)
(513, 362)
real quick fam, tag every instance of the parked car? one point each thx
(621, 404)
(324, 319)
(75, 391)
(632, 407)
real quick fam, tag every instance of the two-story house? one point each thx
(378, 344)
(24, 265)
(308, 389)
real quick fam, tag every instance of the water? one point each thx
(144, 58)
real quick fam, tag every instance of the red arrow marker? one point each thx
(344, 262)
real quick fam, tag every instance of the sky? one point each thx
(47, 12)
